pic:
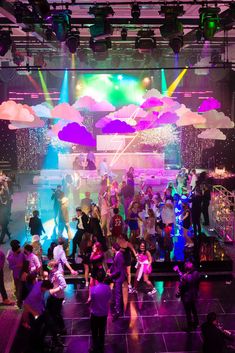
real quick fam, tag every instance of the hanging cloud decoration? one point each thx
(77, 134)
(66, 112)
(209, 104)
(215, 119)
(212, 134)
(90, 104)
(42, 110)
(10, 110)
(119, 127)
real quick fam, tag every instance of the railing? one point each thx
(223, 213)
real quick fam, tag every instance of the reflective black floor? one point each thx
(150, 324)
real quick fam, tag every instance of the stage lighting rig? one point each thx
(23, 14)
(5, 42)
(172, 28)
(73, 41)
(145, 41)
(135, 11)
(41, 8)
(61, 23)
(102, 27)
(124, 33)
(100, 45)
(209, 21)
(227, 18)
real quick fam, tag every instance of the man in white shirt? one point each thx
(60, 257)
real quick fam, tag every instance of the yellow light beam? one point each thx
(172, 87)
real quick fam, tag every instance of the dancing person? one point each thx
(100, 298)
(103, 168)
(5, 199)
(96, 261)
(116, 225)
(86, 203)
(60, 257)
(185, 218)
(56, 196)
(3, 292)
(35, 224)
(85, 251)
(76, 164)
(105, 211)
(114, 195)
(64, 218)
(133, 217)
(95, 227)
(196, 209)
(82, 227)
(150, 232)
(193, 179)
(188, 292)
(90, 161)
(215, 338)
(34, 265)
(206, 198)
(144, 268)
(55, 301)
(117, 273)
(16, 260)
(127, 194)
(169, 192)
(37, 248)
(127, 248)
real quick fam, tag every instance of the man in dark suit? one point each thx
(82, 227)
(188, 289)
(56, 197)
(118, 275)
(35, 224)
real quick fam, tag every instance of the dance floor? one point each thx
(151, 324)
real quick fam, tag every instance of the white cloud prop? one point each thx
(129, 111)
(10, 110)
(66, 112)
(215, 119)
(212, 134)
(152, 93)
(42, 110)
(36, 123)
(90, 104)
(187, 117)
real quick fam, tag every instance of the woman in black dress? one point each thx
(186, 224)
(95, 227)
(96, 261)
(86, 250)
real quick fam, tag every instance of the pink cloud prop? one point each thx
(10, 110)
(77, 134)
(209, 104)
(152, 93)
(217, 120)
(152, 116)
(151, 102)
(90, 104)
(119, 127)
(129, 111)
(170, 104)
(212, 134)
(102, 122)
(42, 110)
(167, 118)
(187, 117)
(36, 123)
(66, 112)
(54, 129)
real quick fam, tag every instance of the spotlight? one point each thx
(135, 11)
(61, 24)
(101, 11)
(209, 21)
(145, 41)
(101, 28)
(100, 45)
(176, 44)
(172, 28)
(5, 42)
(124, 33)
(73, 41)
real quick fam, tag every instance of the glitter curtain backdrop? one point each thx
(8, 144)
(192, 147)
(31, 148)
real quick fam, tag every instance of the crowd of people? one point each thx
(137, 227)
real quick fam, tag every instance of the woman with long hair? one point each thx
(186, 224)
(95, 226)
(133, 217)
(86, 250)
(144, 268)
(96, 261)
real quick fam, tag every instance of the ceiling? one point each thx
(33, 41)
